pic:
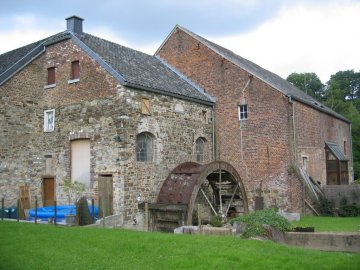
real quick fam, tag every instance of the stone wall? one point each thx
(336, 193)
(259, 147)
(96, 108)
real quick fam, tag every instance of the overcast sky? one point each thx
(283, 36)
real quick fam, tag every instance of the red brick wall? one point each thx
(264, 137)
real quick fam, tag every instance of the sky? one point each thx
(283, 36)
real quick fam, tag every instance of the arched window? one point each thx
(144, 146)
(200, 149)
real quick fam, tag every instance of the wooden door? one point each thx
(48, 191)
(105, 188)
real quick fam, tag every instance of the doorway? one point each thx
(48, 191)
(105, 188)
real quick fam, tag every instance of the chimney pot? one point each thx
(74, 24)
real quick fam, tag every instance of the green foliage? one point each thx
(82, 212)
(309, 83)
(257, 219)
(325, 207)
(347, 210)
(216, 221)
(73, 188)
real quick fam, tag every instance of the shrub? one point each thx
(216, 221)
(325, 207)
(346, 210)
(255, 221)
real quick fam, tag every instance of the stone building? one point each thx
(75, 106)
(265, 127)
(193, 124)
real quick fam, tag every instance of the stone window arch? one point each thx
(200, 147)
(145, 147)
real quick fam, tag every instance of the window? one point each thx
(51, 76)
(243, 112)
(144, 147)
(75, 70)
(203, 116)
(200, 149)
(305, 163)
(145, 106)
(49, 120)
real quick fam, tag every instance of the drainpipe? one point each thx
(293, 127)
(352, 154)
(213, 132)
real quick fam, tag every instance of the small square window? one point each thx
(49, 120)
(243, 112)
(145, 106)
(75, 70)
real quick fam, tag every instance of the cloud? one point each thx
(304, 38)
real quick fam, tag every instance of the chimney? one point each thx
(74, 24)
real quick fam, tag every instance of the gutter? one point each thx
(352, 154)
(293, 126)
(213, 132)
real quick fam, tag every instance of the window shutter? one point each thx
(51, 75)
(75, 70)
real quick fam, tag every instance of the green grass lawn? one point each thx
(330, 224)
(29, 246)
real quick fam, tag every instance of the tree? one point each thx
(309, 83)
(344, 85)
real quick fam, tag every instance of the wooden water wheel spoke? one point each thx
(231, 200)
(220, 197)
(208, 201)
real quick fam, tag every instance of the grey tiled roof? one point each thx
(143, 70)
(130, 67)
(268, 77)
(336, 151)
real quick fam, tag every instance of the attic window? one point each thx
(203, 116)
(243, 112)
(145, 106)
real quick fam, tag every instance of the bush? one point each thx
(255, 221)
(216, 221)
(346, 210)
(325, 207)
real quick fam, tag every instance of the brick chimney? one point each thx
(74, 24)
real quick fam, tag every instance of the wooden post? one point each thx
(103, 212)
(36, 208)
(18, 210)
(92, 209)
(55, 212)
(146, 222)
(2, 208)
(199, 218)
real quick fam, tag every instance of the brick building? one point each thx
(75, 106)
(265, 127)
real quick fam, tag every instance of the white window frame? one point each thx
(49, 123)
(243, 112)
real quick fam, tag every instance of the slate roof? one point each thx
(130, 67)
(268, 77)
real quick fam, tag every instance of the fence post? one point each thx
(55, 212)
(36, 208)
(18, 210)
(146, 216)
(92, 209)
(103, 212)
(2, 208)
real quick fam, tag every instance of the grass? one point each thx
(330, 224)
(30, 246)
